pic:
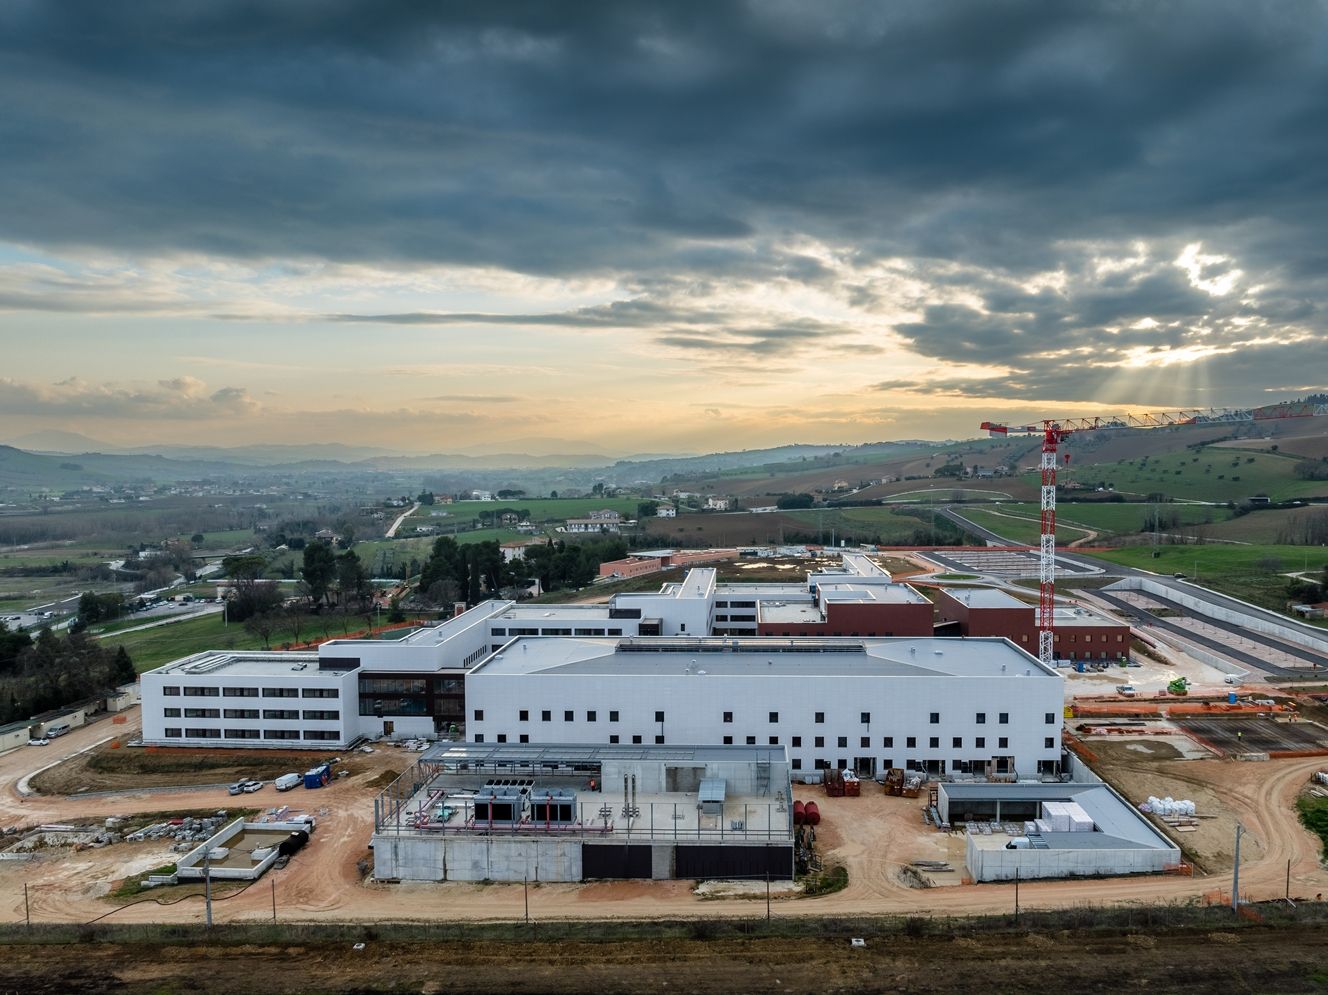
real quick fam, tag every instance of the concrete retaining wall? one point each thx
(447, 857)
(1000, 865)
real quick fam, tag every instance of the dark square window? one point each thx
(819, 741)
(659, 716)
(934, 742)
(797, 740)
(590, 716)
(728, 740)
(820, 717)
(523, 738)
(865, 741)
(888, 742)
(1049, 743)
(479, 715)
(751, 740)
(613, 716)
(546, 716)
(866, 718)
(797, 764)
(1050, 718)
(613, 739)
(636, 740)
(980, 742)
(957, 743)
(774, 716)
(935, 718)
(1003, 718)
(774, 740)
(982, 718)
(502, 737)
(479, 737)
(911, 742)
(843, 742)
(728, 716)
(1003, 743)
(659, 740)
(524, 715)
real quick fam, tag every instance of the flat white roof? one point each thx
(771, 657)
(229, 663)
(892, 594)
(985, 597)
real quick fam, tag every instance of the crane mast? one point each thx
(1054, 432)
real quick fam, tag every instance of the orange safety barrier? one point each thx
(1295, 754)
(119, 720)
(1183, 869)
(1248, 913)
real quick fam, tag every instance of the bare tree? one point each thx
(263, 625)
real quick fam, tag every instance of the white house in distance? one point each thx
(717, 504)
(666, 511)
(596, 521)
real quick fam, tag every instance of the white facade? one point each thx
(279, 700)
(941, 705)
(666, 511)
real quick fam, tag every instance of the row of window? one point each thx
(569, 715)
(525, 738)
(195, 691)
(934, 743)
(554, 631)
(310, 715)
(174, 732)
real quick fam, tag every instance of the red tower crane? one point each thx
(1054, 432)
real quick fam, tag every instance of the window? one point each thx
(888, 742)
(321, 715)
(174, 713)
(202, 713)
(636, 740)
(982, 718)
(957, 743)
(797, 764)
(842, 742)
(1050, 718)
(314, 692)
(479, 737)
(797, 740)
(502, 737)
(172, 692)
(324, 734)
(659, 740)
(546, 716)
(728, 740)
(980, 742)
(774, 716)
(1049, 743)
(590, 716)
(239, 713)
(1003, 718)
(202, 733)
(1003, 743)
(240, 734)
(774, 740)
(288, 692)
(819, 742)
(249, 692)
(820, 717)
(196, 692)
(479, 715)
(866, 718)
(280, 713)
(613, 716)
(934, 742)
(613, 739)
(659, 716)
(523, 715)
(865, 742)
(569, 715)
(911, 742)
(379, 685)
(172, 733)
(935, 718)
(751, 740)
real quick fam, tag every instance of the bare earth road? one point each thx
(324, 883)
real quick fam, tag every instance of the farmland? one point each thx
(889, 526)
(1019, 521)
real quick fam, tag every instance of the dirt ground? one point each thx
(873, 836)
(1257, 960)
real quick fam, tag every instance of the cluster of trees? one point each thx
(1307, 591)
(455, 572)
(495, 517)
(560, 565)
(94, 608)
(789, 502)
(50, 672)
(1312, 469)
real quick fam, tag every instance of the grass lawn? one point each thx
(1251, 573)
(1021, 530)
(1123, 519)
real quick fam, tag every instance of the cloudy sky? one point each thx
(621, 227)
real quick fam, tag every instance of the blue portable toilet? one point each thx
(1079, 666)
(1231, 697)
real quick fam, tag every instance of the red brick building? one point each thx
(1080, 634)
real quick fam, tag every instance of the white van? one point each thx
(57, 730)
(287, 781)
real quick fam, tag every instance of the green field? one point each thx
(1206, 474)
(1253, 573)
(541, 509)
(1120, 518)
(1020, 530)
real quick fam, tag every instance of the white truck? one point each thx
(287, 781)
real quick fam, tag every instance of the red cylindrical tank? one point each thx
(797, 813)
(811, 815)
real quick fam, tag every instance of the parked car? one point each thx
(251, 786)
(236, 788)
(38, 742)
(1126, 690)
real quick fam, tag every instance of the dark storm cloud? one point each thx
(674, 143)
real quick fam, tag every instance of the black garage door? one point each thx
(733, 862)
(602, 861)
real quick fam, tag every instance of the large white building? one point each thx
(979, 706)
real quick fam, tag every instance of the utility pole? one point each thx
(1235, 872)
(525, 888)
(767, 896)
(1016, 894)
(207, 884)
(274, 899)
(27, 909)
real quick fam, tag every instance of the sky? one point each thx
(653, 228)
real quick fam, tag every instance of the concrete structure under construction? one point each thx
(577, 812)
(1070, 829)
